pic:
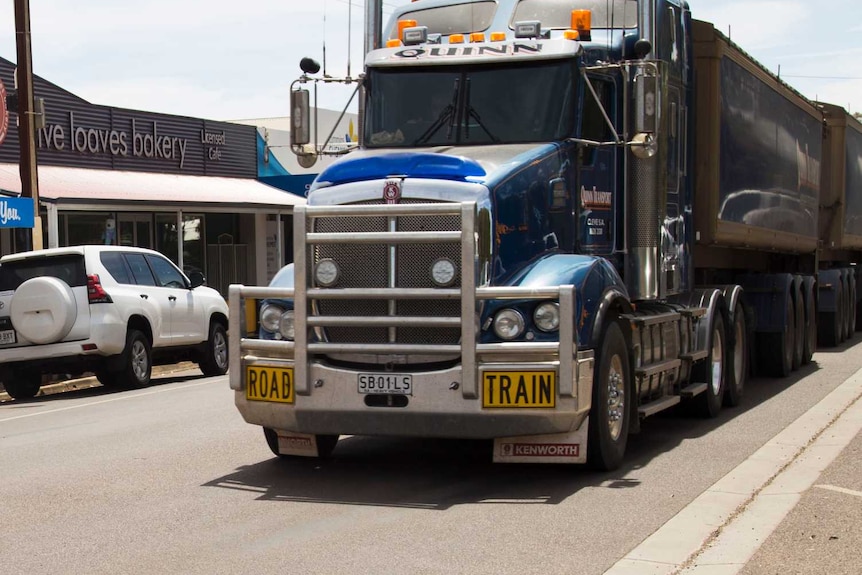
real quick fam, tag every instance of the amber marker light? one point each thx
(456, 39)
(477, 37)
(498, 36)
(402, 24)
(582, 22)
(394, 43)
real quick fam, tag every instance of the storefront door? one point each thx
(135, 230)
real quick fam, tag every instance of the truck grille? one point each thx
(368, 266)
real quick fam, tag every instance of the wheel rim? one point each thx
(717, 359)
(220, 350)
(616, 397)
(140, 361)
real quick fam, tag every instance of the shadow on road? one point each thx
(439, 474)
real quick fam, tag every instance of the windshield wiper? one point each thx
(474, 115)
(447, 115)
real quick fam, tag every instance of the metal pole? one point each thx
(26, 119)
(373, 35)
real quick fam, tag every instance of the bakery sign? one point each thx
(4, 113)
(142, 140)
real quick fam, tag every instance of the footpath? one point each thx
(793, 508)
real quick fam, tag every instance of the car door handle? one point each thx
(172, 298)
(144, 296)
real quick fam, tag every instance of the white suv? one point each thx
(111, 310)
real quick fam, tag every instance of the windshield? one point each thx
(489, 104)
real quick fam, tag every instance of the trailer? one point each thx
(563, 218)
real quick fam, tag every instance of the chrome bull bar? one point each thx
(471, 353)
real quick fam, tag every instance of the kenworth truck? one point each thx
(564, 217)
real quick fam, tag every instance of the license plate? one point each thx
(264, 383)
(8, 336)
(385, 383)
(519, 389)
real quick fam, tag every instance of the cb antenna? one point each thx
(349, 22)
(324, 38)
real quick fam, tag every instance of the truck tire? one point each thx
(25, 385)
(215, 358)
(829, 322)
(43, 310)
(850, 310)
(712, 371)
(325, 444)
(737, 375)
(776, 349)
(137, 361)
(798, 331)
(810, 344)
(610, 413)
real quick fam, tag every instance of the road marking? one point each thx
(840, 490)
(92, 403)
(721, 529)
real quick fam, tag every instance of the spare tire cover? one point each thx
(43, 309)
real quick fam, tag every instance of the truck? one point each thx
(564, 216)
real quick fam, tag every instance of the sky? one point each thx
(219, 60)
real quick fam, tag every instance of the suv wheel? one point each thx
(215, 358)
(24, 386)
(138, 360)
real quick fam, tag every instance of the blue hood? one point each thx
(477, 164)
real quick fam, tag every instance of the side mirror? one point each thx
(300, 133)
(197, 279)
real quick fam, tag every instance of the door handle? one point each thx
(172, 298)
(144, 296)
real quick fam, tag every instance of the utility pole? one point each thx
(27, 122)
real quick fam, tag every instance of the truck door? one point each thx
(598, 171)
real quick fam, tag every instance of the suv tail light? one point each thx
(95, 292)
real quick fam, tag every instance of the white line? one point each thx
(118, 398)
(840, 490)
(721, 529)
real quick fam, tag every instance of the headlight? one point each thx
(443, 272)
(270, 317)
(287, 326)
(547, 316)
(326, 272)
(508, 324)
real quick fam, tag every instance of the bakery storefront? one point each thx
(186, 187)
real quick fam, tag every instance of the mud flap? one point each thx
(570, 447)
(297, 444)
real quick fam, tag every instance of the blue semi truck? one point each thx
(563, 217)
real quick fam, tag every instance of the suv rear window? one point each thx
(69, 268)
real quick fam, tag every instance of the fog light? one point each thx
(509, 324)
(326, 273)
(287, 325)
(547, 316)
(443, 272)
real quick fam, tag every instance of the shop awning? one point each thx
(86, 188)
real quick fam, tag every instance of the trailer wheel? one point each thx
(738, 361)
(850, 311)
(610, 413)
(712, 371)
(776, 348)
(798, 331)
(829, 322)
(810, 344)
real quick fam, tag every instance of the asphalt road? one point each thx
(169, 479)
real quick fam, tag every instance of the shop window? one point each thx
(166, 236)
(194, 246)
(88, 228)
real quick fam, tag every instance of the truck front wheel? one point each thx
(610, 412)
